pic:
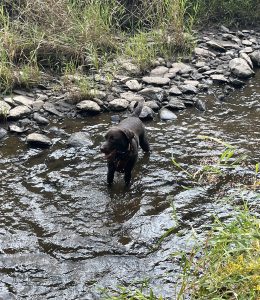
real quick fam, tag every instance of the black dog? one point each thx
(121, 145)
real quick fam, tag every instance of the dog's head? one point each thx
(118, 140)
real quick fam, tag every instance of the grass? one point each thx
(230, 265)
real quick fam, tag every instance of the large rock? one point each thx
(19, 111)
(79, 139)
(88, 106)
(240, 68)
(118, 104)
(38, 140)
(153, 93)
(255, 57)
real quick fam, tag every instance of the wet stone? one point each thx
(153, 93)
(88, 106)
(147, 113)
(200, 105)
(175, 104)
(49, 107)
(153, 105)
(247, 58)
(218, 78)
(166, 114)
(17, 129)
(38, 140)
(79, 139)
(216, 45)
(3, 133)
(40, 119)
(188, 89)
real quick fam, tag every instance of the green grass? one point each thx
(230, 265)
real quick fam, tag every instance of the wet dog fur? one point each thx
(121, 145)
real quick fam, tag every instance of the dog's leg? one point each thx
(144, 143)
(110, 173)
(128, 176)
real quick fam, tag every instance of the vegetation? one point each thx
(89, 34)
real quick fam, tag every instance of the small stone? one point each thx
(175, 104)
(218, 78)
(255, 57)
(49, 107)
(189, 89)
(146, 113)
(203, 52)
(166, 114)
(153, 93)
(159, 71)
(247, 58)
(40, 119)
(133, 85)
(216, 46)
(153, 105)
(38, 140)
(17, 129)
(3, 133)
(129, 96)
(174, 90)
(180, 68)
(200, 105)
(156, 80)
(4, 109)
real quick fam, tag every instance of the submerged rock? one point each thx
(79, 139)
(166, 114)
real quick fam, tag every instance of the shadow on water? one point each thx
(64, 233)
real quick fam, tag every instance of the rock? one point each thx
(174, 90)
(146, 113)
(216, 45)
(79, 139)
(166, 114)
(180, 68)
(118, 104)
(49, 107)
(247, 58)
(4, 109)
(236, 82)
(230, 45)
(19, 112)
(153, 93)
(192, 82)
(9, 100)
(3, 133)
(240, 68)
(23, 100)
(159, 71)
(247, 43)
(200, 105)
(88, 106)
(38, 140)
(218, 78)
(255, 57)
(224, 29)
(153, 105)
(203, 52)
(42, 97)
(175, 104)
(17, 129)
(188, 89)
(156, 80)
(133, 85)
(39, 119)
(129, 96)
(37, 105)
(115, 119)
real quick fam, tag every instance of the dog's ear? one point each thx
(128, 133)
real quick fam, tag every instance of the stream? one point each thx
(65, 235)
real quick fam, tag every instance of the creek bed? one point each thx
(64, 234)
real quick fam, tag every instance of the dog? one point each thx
(121, 145)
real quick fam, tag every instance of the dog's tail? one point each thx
(137, 109)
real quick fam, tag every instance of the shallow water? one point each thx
(64, 234)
